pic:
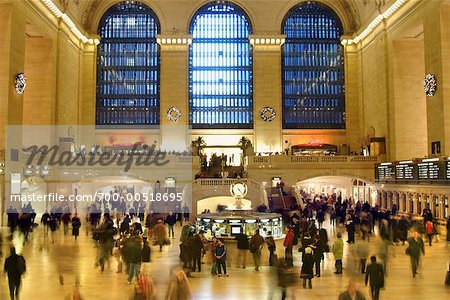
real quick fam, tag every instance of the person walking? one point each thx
(14, 267)
(288, 245)
(307, 267)
(375, 273)
(160, 234)
(76, 224)
(134, 258)
(448, 229)
(171, 220)
(429, 229)
(212, 248)
(255, 244)
(196, 252)
(220, 252)
(338, 252)
(415, 249)
(362, 252)
(242, 245)
(270, 242)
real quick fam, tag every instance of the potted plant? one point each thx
(197, 145)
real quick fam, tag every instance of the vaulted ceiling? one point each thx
(361, 11)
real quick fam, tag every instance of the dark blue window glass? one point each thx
(128, 66)
(313, 69)
(220, 68)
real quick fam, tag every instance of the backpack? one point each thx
(295, 240)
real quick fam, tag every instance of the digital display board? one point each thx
(404, 172)
(385, 173)
(447, 170)
(429, 170)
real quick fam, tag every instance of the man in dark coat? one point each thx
(255, 244)
(15, 267)
(376, 274)
(242, 246)
(414, 250)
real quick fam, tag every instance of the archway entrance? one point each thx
(344, 186)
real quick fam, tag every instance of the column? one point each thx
(12, 60)
(267, 91)
(437, 62)
(88, 105)
(401, 204)
(415, 199)
(352, 82)
(174, 89)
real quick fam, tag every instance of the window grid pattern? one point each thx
(313, 69)
(220, 68)
(128, 83)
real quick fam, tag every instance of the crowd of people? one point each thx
(129, 237)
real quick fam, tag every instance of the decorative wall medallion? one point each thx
(268, 114)
(430, 85)
(173, 114)
(20, 83)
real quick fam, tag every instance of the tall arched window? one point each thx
(313, 69)
(220, 68)
(128, 66)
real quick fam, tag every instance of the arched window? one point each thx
(128, 66)
(220, 68)
(313, 69)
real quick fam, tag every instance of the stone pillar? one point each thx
(437, 62)
(415, 199)
(401, 204)
(12, 62)
(174, 88)
(267, 91)
(352, 109)
(89, 91)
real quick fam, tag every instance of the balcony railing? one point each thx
(284, 159)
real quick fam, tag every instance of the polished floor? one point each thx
(76, 261)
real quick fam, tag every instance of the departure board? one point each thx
(404, 172)
(447, 168)
(428, 170)
(385, 173)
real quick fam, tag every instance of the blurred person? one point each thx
(362, 252)
(133, 252)
(242, 246)
(376, 275)
(171, 220)
(271, 246)
(429, 230)
(196, 252)
(318, 247)
(45, 220)
(66, 220)
(186, 253)
(76, 224)
(288, 245)
(53, 225)
(287, 277)
(307, 267)
(160, 234)
(403, 227)
(15, 267)
(338, 252)
(212, 247)
(220, 252)
(415, 249)
(255, 245)
(179, 288)
(448, 229)
(351, 293)
(146, 252)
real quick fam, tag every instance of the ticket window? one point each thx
(220, 229)
(419, 206)
(435, 208)
(446, 212)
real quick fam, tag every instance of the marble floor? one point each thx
(76, 261)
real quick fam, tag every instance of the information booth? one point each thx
(229, 226)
